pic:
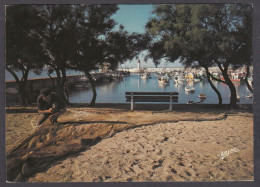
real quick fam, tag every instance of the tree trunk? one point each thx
(64, 77)
(233, 98)
(58, 77)
(21, 86)
(60, 81)
(22, 95)
(246, 79)
(224, 71)
(93, 101)
(213, 86)
(52, 81)
(59, 87)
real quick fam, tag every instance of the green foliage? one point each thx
(203, 34)
(99, 42)
(23, 44)
(79, 37)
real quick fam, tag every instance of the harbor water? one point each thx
(114, 91)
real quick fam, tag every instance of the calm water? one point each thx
(114, 92)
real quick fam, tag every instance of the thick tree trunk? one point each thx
(22, 95)
(64, 77)
(52, 81)
(93, 101)
(21, 86)
(58, 76)
(246, 79)
(232, 88)
(59, 86)
(228, 82)
(213, 86)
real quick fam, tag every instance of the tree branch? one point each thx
(13, 74)
(216, 79)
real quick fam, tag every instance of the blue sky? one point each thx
(134, 19)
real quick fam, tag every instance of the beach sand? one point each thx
(181, 150)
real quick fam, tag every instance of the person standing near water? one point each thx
(49, 105)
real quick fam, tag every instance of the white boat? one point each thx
(163, 80)
(167, 75)
(196, 79)
(145, 76)
(249, 96)
(178, 79)
(189, 89)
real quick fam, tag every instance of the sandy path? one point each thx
(182, 151)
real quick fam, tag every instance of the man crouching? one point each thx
(49, 105)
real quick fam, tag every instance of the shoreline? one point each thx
(142, 106)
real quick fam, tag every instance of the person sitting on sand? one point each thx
(49, 105)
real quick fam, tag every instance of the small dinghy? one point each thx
(202, 96)
(249, 96)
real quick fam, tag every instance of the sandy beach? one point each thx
(156, 146)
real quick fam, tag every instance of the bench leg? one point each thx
(170, 108)
(132, 105)
(132, 102)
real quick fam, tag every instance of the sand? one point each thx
(165, 151)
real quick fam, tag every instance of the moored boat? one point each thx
(202, 96)
(189, 89)
(145, 75)
(189, 76)
(249, 96)
(163, 80)
(178, 79)
(196, 79)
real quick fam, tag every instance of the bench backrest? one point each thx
(152, 96)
